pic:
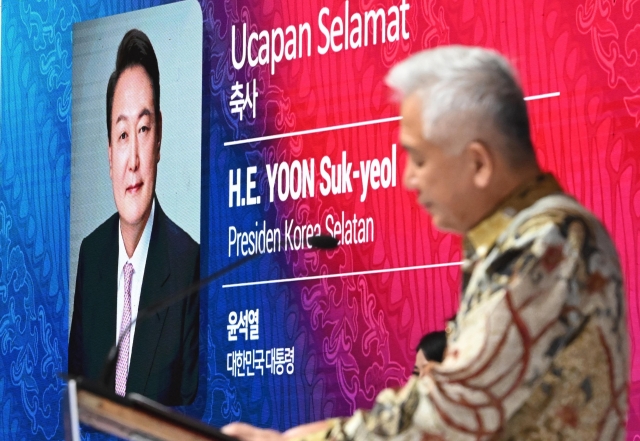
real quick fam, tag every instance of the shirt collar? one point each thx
(481, 238)
(140, 254)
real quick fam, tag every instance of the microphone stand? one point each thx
(318, 242)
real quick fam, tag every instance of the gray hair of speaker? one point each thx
(455, 82)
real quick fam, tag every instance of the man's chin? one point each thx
(135, 218)
(444, 226)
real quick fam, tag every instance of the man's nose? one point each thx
(134, 157)
(409, 176)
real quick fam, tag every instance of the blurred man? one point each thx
(138, 255)
(430, 350)
(538, 349)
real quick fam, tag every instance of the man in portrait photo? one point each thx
(138, 256)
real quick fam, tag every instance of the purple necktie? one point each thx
(122, 367)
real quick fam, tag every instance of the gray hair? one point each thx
(459, 80)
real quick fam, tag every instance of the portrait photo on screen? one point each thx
(135, 198)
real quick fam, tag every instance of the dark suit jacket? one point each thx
(164, 356)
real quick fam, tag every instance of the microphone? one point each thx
(322, 241)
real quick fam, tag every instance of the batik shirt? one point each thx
(538, 349)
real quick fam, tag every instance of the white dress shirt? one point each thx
(139, 261)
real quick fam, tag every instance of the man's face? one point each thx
(442, 180)
(422, 366)
(134, 150)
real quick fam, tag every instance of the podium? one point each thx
(132, 417)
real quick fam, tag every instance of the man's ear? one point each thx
(159, 134)
(483, 163)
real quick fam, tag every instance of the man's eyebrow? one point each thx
(407, 148)
(144, 112)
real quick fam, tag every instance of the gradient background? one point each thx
(352, 335)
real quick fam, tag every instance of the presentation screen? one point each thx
(271, 124)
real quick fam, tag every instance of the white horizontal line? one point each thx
(319, 130)
(539, 97)
(331, 276)
(350, 125)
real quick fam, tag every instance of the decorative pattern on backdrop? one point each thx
(34, 216)
(354, 335)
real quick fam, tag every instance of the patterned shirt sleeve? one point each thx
(524, 304)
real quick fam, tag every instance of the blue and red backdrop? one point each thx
(346, 320)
